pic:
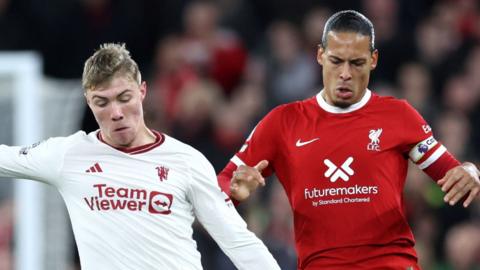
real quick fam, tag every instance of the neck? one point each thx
(145, 136)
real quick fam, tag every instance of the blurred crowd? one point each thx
(214, 68)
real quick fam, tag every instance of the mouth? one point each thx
(120, 129)
(344, 92)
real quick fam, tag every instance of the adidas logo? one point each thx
(334, 172)
(95, 168)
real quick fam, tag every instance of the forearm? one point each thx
(229, 230)
(251, 255)
(441, 166)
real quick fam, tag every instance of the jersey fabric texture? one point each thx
(343, 171)
(134, 208)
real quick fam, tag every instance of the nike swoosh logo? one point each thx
(300, 143)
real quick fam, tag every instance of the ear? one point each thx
(373, 65)
(320, 53)
(143, 90)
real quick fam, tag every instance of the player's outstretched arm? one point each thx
(217, 214)
(460, 181)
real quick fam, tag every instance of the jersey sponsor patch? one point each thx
(421, 148)
(109, 198)
(24, 150)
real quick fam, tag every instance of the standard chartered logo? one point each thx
(340, 194)
(353, 190)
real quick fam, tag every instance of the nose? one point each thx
(116, 113)
(345, 72)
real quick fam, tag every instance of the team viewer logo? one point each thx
(374, 136)
(334, 172)
(160, 203)
(107, 198)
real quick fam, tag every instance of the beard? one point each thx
(342, 104)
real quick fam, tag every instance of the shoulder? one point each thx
(390, 102)
(195, 163)
(294, 110)
(185, 150)
(66, 141)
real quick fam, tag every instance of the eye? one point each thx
(100, 102)
(358, 63)
(125, 98)
(335, 61)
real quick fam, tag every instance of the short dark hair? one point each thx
(349, 21)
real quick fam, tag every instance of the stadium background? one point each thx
(214, 70)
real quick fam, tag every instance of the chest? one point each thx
(118, 183)
(362, 137)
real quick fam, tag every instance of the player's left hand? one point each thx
(459, 181)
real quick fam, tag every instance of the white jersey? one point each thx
(134, 209)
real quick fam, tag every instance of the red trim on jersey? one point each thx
(441, 166)
(159, 139)
(224, 178)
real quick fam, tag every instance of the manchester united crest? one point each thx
(162, 172)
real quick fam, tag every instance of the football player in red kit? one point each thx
(342, 158)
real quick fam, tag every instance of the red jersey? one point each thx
(344, 171)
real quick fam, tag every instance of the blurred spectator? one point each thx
(171, 75)
(291, 73)
(459, 96)
(195, 105)
(313, 25)
(6, 234)
(240, 16)
(391, 40)
(15, 31)
(472, 71)
(462, 247)
(439, 43)
(278, 235)
(72, 35)
(467, 15)
(453, 130)
(214, 52)
(415, 85)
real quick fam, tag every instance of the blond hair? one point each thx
(110, 60)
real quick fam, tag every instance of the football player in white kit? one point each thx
(133, 193)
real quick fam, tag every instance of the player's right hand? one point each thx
(245, 180)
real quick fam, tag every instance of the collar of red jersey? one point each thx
(332, 109)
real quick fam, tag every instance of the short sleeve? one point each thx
(415, 128)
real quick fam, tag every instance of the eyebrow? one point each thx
(359, 59)
(102, 97)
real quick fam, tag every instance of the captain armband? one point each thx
(424, 153)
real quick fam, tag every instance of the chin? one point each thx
(342, 104)
(122, 141)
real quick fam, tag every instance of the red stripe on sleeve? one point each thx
(441, 166)
(224, 178)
